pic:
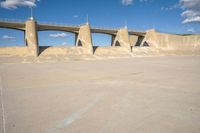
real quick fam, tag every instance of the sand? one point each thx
(130, 95)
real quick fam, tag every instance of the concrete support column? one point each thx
(122, 38)
(31, 37)
(84, 38)
(76, 38)
(113, 39)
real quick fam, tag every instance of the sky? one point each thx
(168, 16)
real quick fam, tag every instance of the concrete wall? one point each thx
(84, 38)
(15, 51)
(159, 44)
(172, 41)
(31, 37)
(61, 50)
(122, 38)
(111, 51)
(133, 40)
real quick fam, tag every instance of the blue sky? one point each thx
(170, 16)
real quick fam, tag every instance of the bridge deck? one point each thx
(12, 25)
(73, 29)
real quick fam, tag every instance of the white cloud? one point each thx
(130, 2)
(6, 37)
(145, 1)
(13, 4)
(57, 35)
(76, 16)
(175, 6)
(191, 12)
(191, 30)
(195, 19)
(127, 2)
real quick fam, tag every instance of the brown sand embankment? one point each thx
(159, 44)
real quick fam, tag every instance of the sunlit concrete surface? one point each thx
(132, 95)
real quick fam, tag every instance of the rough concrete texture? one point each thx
(111, 51)
(154, 95)
(61, 50)
(15, 51)
(84, 38)
(171, 41)
(159, 44)
(133, 40)
(31, 37)
(122, 38)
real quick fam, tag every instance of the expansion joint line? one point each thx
(2, 107)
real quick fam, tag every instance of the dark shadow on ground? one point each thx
(43, 48)
(94, 49)
(139, 41)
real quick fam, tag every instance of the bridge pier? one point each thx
(84, 38)
(31, 37)
(122, 39)
(113, 39)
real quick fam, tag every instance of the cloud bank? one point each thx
(13, 4)
(6, 37)
(191, 13)
(127, 2)
(58, 35)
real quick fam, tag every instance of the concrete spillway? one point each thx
(124, 42)
(172, 41)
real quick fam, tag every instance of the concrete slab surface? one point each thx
(133, 95)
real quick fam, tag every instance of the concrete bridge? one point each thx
(120, 37)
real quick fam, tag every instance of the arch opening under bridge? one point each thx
(55, 38)
(102, 40)
(12, 37)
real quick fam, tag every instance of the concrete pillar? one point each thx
(122, 38)
(113, 39)
(31, 37)
(76, 38)
(84, 38)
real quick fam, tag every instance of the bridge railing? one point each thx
(135, 30)
(69, 25)
(11, 20)
(57, 24)
(104, 28)
(111, 28)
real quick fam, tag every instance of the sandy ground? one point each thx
(137, 95)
